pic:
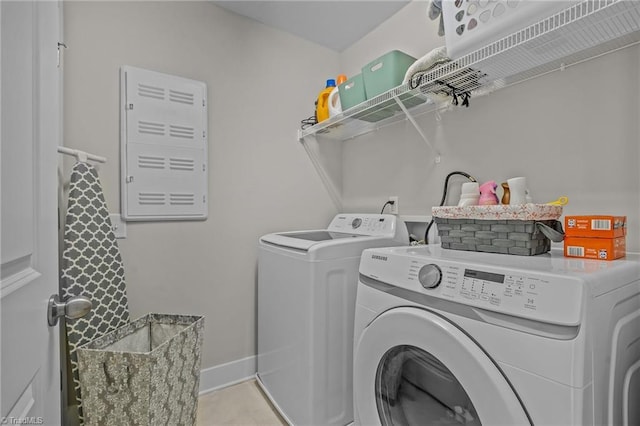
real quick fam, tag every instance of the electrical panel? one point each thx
(163, 133)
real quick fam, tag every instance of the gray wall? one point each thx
(572, 133)
(261, 83)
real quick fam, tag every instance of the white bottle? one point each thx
(335, 107)
(334, 103)
(469, 194)
(518, 191)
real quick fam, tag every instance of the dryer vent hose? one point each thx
(444, 197)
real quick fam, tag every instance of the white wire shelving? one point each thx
(584, 31)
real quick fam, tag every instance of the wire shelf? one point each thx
(583, 31)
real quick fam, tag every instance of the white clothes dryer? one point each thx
(307, 284)
(452, 337)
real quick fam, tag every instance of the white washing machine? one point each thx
(452, 337)
(306, 300)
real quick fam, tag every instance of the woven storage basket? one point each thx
(521, 230)
(145, 373)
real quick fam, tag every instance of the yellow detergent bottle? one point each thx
(322, 106)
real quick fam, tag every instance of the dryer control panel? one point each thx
(507, 290)
(550, 299)
(546, 297)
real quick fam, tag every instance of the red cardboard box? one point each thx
(595, 226)
(595, 248)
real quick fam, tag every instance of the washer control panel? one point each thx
(364, 224)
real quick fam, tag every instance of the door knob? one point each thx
(73, 308)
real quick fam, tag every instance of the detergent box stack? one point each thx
(595, 236)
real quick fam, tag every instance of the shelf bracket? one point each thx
(417, 127)
(314, 155)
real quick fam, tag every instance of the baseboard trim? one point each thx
(223, 375)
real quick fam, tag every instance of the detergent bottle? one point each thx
(469, 194)
(488, 195)
(322, 106)
(335, 107)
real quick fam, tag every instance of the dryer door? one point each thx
(413, 367)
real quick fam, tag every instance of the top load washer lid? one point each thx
(306, 240)
(345, 229)
(549, 287)
(317, 235)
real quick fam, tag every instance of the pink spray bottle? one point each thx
(488, 195)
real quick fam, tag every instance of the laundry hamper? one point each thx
(524, 230)
(144, 373)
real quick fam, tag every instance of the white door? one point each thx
(30, 124)
(413, 367)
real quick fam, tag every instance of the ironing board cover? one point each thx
(91, 265)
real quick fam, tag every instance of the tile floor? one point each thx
(243, 404)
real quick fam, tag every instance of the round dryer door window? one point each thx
(414, 367)
(414, 388)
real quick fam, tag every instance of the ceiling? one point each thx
(335, 24)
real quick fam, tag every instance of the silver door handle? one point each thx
(73, 308)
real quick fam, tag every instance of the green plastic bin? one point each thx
(376, 114)
(385, 72)
(352, 92)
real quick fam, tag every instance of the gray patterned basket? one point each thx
(519, 237)
(522, 229)
(145, 373)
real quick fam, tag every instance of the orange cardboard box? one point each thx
(595, 248)
(595, 226)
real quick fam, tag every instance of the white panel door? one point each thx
(30, 127)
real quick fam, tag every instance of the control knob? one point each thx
(430, 276)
